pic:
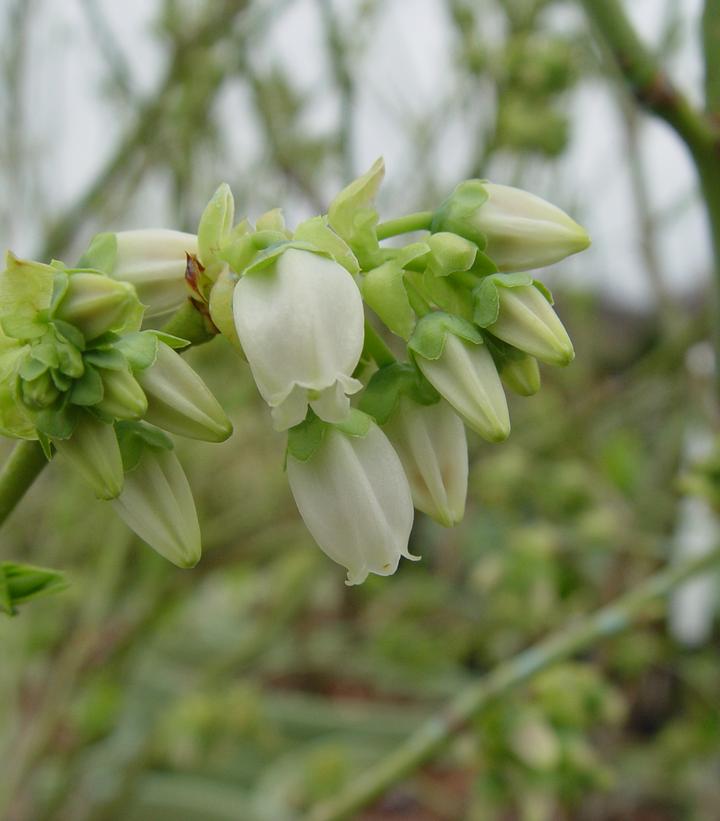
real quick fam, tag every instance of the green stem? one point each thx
(432, 736)
(420, 221)
(18, 473)
(375, 347)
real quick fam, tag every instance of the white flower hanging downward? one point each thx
(355, 500)
(300, 322)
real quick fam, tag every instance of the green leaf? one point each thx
(139, 349)
(19, 583)
(428, 339)
(317, 232)
(101, 253)
(382, 394)
(304, 439)
(88, 390)
(135, 437)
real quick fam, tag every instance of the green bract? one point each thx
(353, 217)
(388, 384)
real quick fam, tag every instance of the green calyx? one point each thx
(19, 583)
(457, 211)
(487, 297)
(428, 339)
(135, 437)
(382, 395)
(305, 439)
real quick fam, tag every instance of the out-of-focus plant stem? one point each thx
(432, 736)
(653, 89)
(19, 472)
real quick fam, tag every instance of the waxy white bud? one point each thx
(300, 322)
(154, 260)
(527, 320)
(179, 401)
(466, 376)
(355, 500)
(431, 443)
(157, 503)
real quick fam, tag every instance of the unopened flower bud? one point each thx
(521, 375)
(154, 261)
(157, 503)
(95, 304)
(527, 320)
(179, 401)
(93, 452)
(430, 441)
(355, 500)
(522, 231)
(466, 376)
(40, 392)
(123, 397)
(300, 322)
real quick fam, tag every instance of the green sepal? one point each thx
(23, 328)
(457, 211)
(56, 424)
(60, 286)
(109, 358)
(19, 583)
(15, 421)
(31, 368)
(177, 343)
(305, 439)
(487, 298)
(483, 265)
(70, 334)
(449, 253)
(88, 390)
(382, 394)
(356, 424)
(46, 445)
(45, 353)
(352, 216)
(71, 361)
(100, 254)
(26, 290)
(61, 381)
(383, 289)
(139, 349)
(214, 230)
(134, 437)
(428, 339)
(265, 258)
(272, 220)
(445, 292)
(317, 232)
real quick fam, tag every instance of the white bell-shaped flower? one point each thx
(354, 498)
(431, 443)
(465, 374)
(300, 322)
(156, 502)
(154, 260)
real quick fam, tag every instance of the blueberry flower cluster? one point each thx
(370, 437)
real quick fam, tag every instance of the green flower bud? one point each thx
(123, 397)
(179, 401)
(95, 304)
(154, 261)
(521, 375)
(527, 321)
(214, 229)
(93, 452)
(516, 229)
(157, 504)
(40, 392)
